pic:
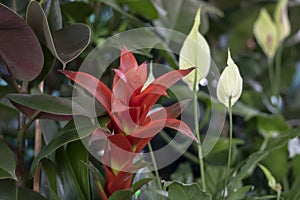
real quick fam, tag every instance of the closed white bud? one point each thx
(266, 34)
(230, 83)
(282, 20)
(195, 52)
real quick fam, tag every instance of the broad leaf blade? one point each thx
(180, 191)
(18, 44)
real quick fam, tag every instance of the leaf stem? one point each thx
(196, 122)
(155, 166)
(230, 146)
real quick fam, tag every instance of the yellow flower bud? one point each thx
(282, 20)
(230, 83)
(266, 34)
(195, 52)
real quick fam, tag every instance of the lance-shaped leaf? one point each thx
(19, 49)
(282, 20)
(265, 32)
(230, 83)
(51, 107)
(7, 162)
(195, 52)
(65, 44)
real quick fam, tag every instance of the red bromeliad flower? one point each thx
(132, 126)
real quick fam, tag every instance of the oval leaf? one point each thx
(19, 49)
(65, 44)
(51, 107)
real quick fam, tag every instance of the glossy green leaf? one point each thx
(51, 107)
(65, 44)
(240, 193)
(270, 126)
(68, 134)
(140, 183)
(252, 161)
(215, 177)
(50, 171)
(280, 157)
(180, 191)
(9, 191)
(77, 10)
(121, 195)
(18, 44)
(49, 129)
(114, 5)
(139, 7)
(70, 183)
(78, 158)
(7, 162)
(97, 183)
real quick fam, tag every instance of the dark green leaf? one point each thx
(7, 162)
(9, 191)
(240, 193)
(121, 195)
(252, 161)
(18, 44)
(137, 185)
(116, 7)
(78, 157)
(139, 7)
(50, 171)
(68, 134)
(180, 191)
(215, 177)
(271, 125)
(77, 10)
(70, 183)
(51, 107)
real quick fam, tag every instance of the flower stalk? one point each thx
(196, 122)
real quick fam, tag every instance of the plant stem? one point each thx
(278, 69)
(155, 166)
(200, 155)
(21, 140)
(37, 148)
(271, 74)
(230, 146)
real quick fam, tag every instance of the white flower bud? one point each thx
(230, 83)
